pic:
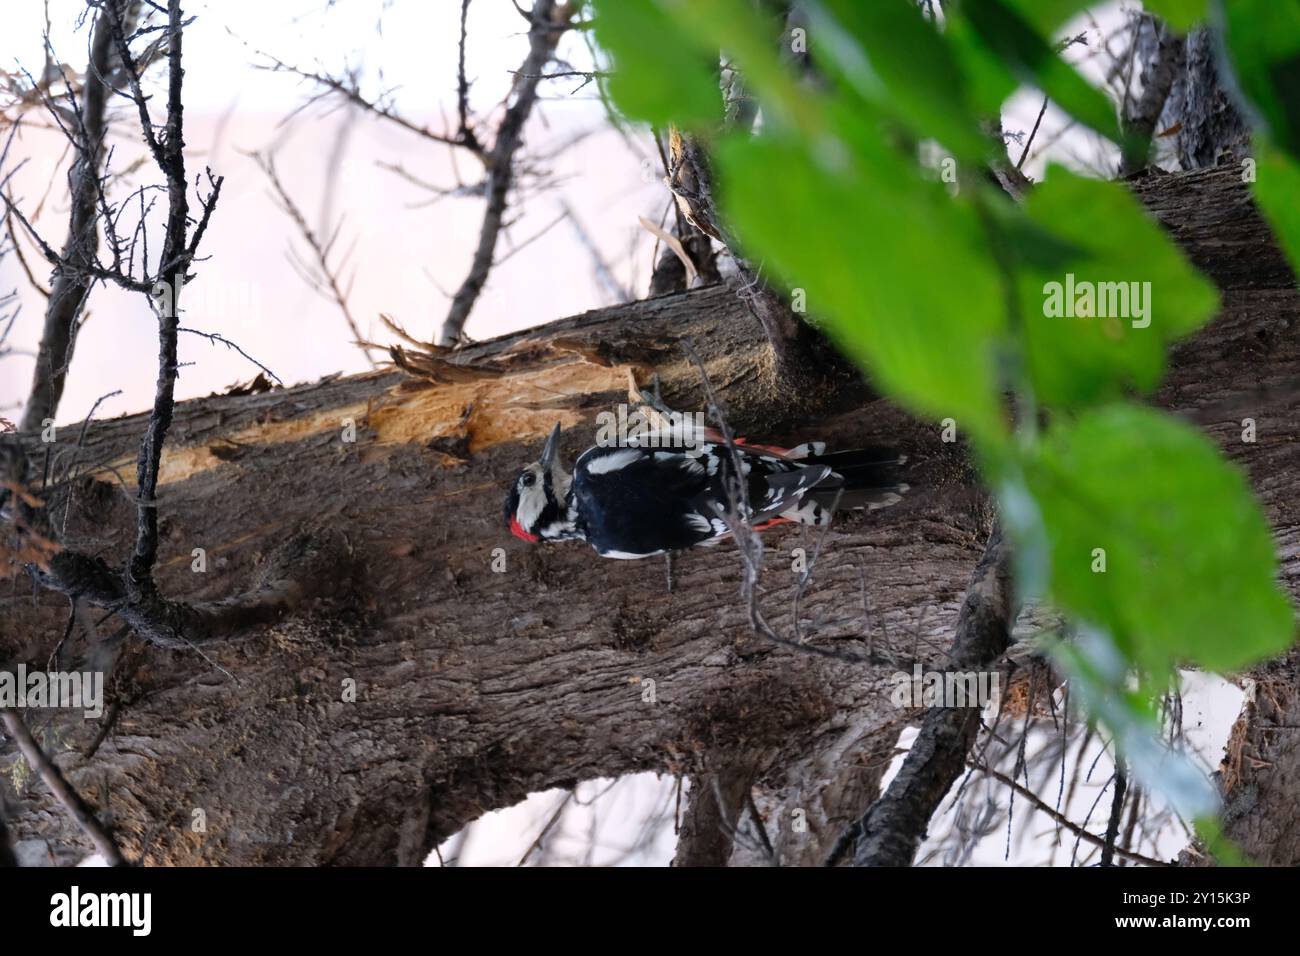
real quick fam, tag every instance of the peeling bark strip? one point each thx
(475, 688)
(894, 826)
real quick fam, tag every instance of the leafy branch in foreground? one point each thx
(1127, 519)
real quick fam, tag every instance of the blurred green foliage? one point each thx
(939, 286)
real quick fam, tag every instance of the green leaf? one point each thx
(887, 53)
(1032, 61)
(1190, 570)
(1263, 42)
(1181, 15)
(1277, 189)
(751, 36)
(660, 73)
(1046, 16)
(990, 83)
(1088, 236)
(893, 265)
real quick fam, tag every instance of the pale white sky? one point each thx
(409, 254)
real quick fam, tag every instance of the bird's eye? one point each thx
(528, 478)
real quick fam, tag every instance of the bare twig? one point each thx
(1060, 819)
(1032, 133)
(543, 35)
(216, 339)
(348, 89)
(465, 133)
(550, 825)
(1116, 811)
(748, 544)
(59, 787)
(329, 276)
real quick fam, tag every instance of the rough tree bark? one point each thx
(475, 688)
(1208, 129)
(892, 829)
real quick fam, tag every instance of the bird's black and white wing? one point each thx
(634, 502)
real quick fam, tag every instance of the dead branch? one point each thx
(348, 89)
(71, 285)
(1060, 819)
(62, 790)
(1116, 811)
(465, 132)
(130, 591)
(179, 247)
(328, 280)
(548, 22)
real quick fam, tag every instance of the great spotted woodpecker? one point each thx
(643, 499)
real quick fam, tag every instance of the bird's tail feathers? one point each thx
(864, 478)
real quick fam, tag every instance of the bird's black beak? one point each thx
(552, 446)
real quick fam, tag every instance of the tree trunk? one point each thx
(475, 687)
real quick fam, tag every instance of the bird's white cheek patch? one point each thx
(531, 503)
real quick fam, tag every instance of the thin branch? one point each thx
(59, 787)
(1024, 154)
(349, 90)
(1116, 811)
(319, 250)
(550, 824)
(1060, 818)
(222, 340)
(465, 133)
(542, 36)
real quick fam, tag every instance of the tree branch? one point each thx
(62, 790)
(1159, 79)
(7, 857)
(894, 826)
(717, 802)
(72, 281)
(542, 37)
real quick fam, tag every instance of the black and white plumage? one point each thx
(643, 499)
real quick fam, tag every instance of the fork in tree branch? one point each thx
(131, 591)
